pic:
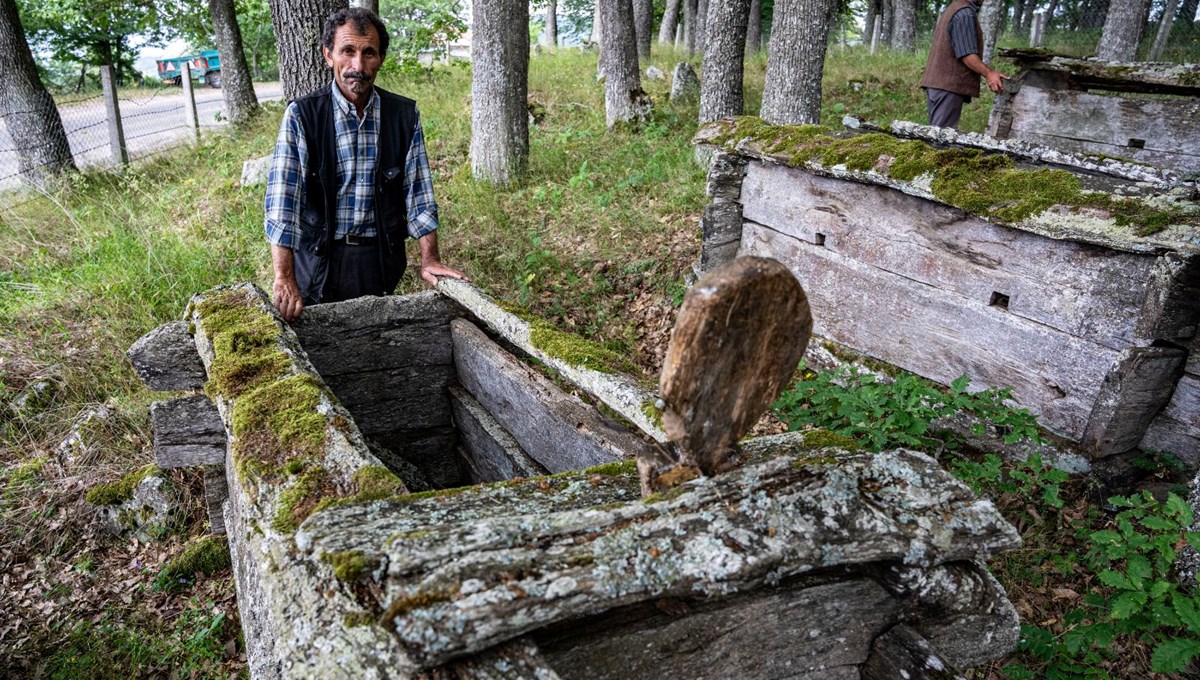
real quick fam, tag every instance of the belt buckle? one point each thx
(354, 239)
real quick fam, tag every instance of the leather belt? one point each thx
(356, 240)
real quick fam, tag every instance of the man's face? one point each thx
(355, 60)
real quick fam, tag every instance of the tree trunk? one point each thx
(1164, 31)
(499, 90)
(754, 28)
(297, 25)
(666, 30)
(1122, 31)
(721, 76)
(701, 25)
(796, 61)
(82, 78)
(1187, 11)
(597, 27)
(1018, 11)
(904, 29)
(689, 26)
(550, 36)
(885, 35)
(643, 26)
(624, 99)
(869, 21)
(236, 88)
(372, 5)
(989, 22)
(28, 111)
(1027, 18)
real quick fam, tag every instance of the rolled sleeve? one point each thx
(285, 182)
(422, 208)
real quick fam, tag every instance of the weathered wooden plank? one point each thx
(738, 337)
(920, 329)
(1083, 290)
(903, 653)
(431, 451)
(817, 632)
(187, 431)
(1134, 391)
(1172, 307)
(517, 660)
(557, 430)
(216, 492)
(488, 563)
(166, 359)
(1177, 428)
(1132, 77)
(492, 454)
(725, 173)
(399, 399)
(1163, 127)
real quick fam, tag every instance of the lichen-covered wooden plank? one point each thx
(1176, 429)
(1172, 308)
(1080, 289)
(431, 451)
(469, 569)
(492, 454)
(556, 429)
(187, 431)
(216, 492)
(1134, 391)
(518, 660)
(819, 631)
(903, 653)
(1165, 127)
(397, 399)
(617, 391)
(919, 329)
(1112, 75)
(166, 359)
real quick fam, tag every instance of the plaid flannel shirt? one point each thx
(357, 147)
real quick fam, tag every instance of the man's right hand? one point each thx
(287, 297)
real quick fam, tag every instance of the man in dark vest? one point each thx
(349, 180)
(954, 66)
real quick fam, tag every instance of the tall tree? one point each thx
(499, 90)
(885, 32)
(666, 30)
(28, 109)
(796, 61)
(98, 32)
(1187, 11)
(724, 58)
(298, 25)
(689, 26)
(597, 27)
(550, 35)
(372, 5)
(989, 23)
(643, 26)
(754, 28)
(870, 20)
(236, 88)
(904, 25)
(624, 100)
(1122, 31)
(701, 24)
(1164, 30)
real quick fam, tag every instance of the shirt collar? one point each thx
(347, 107)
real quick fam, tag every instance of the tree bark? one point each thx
(885, 34)
(1164, 31)
(989, 23)
(1187, 11)
(870, 19)
(643, 26)
(754, 28)
(27, 108)
(796, 61)
(550, 36)
(499, 90)
(372, 5)
(666, 30)
(1122, 31)
(236, 87)
(689, 26)
(1027, 18)
(701, 25)
(297, 25)
(721, 75)
(624, 100)
(597, 26)
(904, 29)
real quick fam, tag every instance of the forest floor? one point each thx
(591, 241)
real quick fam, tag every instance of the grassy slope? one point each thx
(598, 240)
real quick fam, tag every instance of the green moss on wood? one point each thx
(115, 493)
(614, 469)
(349, 565)
(653, 414)
(818, 439)
(358, 619)
(576, 351)
(376, 481)
(277, 426)
(298, 501)
(246, 351)
(203, 556)
(403, 605)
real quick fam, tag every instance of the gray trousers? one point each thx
(945, 108)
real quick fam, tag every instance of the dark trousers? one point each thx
(945, 108)
(358, 270)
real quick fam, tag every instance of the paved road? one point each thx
(153, 122)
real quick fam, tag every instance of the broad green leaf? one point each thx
(1115, 580)
(1139, 570)
(1127, 604)
(1188, 611)
(1174, 655)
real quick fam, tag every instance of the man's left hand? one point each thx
(995, 81)
(432, 269)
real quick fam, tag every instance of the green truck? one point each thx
(206, 68)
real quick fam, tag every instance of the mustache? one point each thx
(356, 75)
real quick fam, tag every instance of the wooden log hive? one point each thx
(1075, 282)
(800, 563)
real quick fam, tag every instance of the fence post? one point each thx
(875, 34)
(189, 103)
(116, 133)
(1037, 28)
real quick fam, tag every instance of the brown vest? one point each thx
(943, 70)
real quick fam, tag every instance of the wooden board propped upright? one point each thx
(740, 334)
